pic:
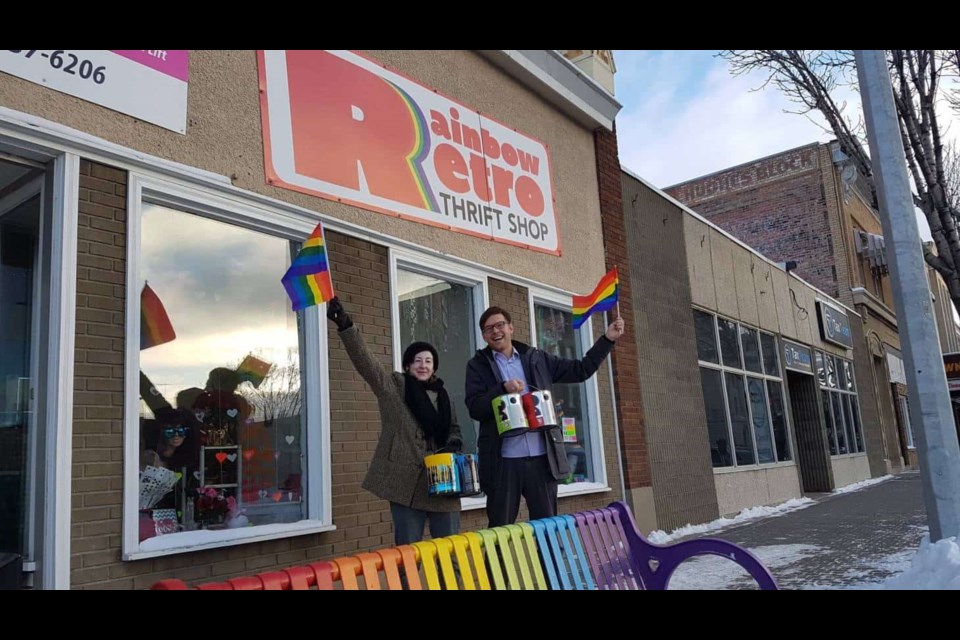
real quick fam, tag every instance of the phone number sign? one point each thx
(149, 84)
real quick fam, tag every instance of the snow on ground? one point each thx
(856, 486)
(661, 537)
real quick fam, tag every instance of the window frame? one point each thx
(446, 270)
(746, 375)
(255, 217)
(436, 268)
(543, 297)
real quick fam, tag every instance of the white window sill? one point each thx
(188, 541)
(755, 467)
(565, 490)
(844, 456)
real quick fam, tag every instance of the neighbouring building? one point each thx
(810, 206)
(749, 390)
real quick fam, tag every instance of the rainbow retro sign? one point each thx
(341, 126)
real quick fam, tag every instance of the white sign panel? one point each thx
(897, 372)
(149, 84)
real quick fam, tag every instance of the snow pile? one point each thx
(936, 566)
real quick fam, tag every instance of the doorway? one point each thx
(816, 473)
(22, 285)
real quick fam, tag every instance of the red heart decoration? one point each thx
(248, 454)
(276, 496)
(221, 457)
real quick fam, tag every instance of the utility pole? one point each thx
(935, 433)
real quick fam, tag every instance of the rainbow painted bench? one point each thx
(599, 549)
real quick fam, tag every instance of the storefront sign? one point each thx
(149, 84)
(342, 127)
(834, 325)
(797, 357)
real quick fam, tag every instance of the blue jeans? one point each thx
(408, 523)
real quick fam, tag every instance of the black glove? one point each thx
(454, 445)
(339, 317)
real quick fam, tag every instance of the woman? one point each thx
(416, 420)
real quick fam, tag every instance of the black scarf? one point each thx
(434, 422)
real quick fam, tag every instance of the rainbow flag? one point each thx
(253, 369)
(155, 327)
(603, 298)
(307, 281)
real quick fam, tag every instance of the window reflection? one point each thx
(229, 382)
(442, 313)
(556, 336)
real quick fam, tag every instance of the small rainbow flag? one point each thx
(155, 327)
(603, 298)
(307, 281)
(253, 369)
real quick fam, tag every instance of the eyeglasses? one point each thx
(497, 326)
(172, 432)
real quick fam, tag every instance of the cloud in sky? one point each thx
(685, 116)
(220, 285)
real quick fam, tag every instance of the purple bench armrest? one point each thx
(656, 563)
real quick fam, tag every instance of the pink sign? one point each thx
(173, 62)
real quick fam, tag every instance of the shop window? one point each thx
(555, 335)
(225, 451)
(841, 411)
(721, 454)
(706, 330)
(743, 398)
(729, 343)
(778, 418)
(761, 420)
(751, 350)
(771, 364)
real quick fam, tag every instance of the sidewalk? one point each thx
(841, 541)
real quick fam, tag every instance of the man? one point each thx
(529, 464)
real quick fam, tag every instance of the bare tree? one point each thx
(279, 394)
(810, 79)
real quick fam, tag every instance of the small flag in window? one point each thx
(155, 327)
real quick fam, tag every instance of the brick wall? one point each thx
(515, 300)
(683, 483)
(776, 205)
(98, 389)
(630, 414)
(361, 279)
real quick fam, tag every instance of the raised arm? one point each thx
(579, 370)
(369, 368)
